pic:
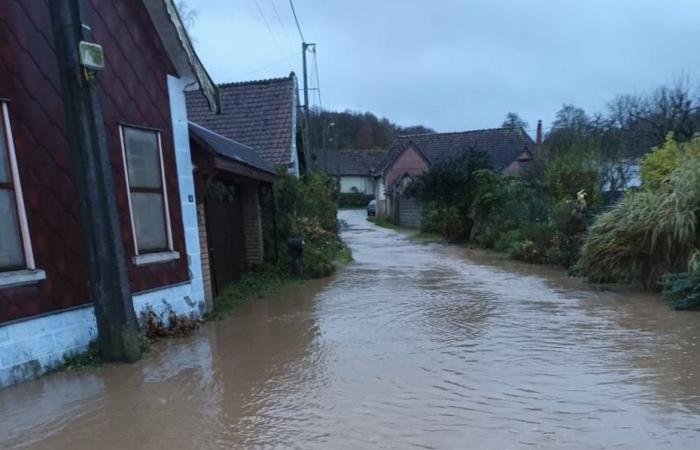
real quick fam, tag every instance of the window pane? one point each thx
(11, 255)
(149, 221)
(4, 155)
(143, 159)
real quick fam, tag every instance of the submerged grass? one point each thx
(382, 222)
(344, 256)
(87, 359)
(268, 281)
(422, 236)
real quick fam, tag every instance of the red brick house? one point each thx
(45, 304)
(410, 156)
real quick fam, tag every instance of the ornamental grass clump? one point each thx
(648, 234)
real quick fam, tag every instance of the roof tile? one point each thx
(503, 145)
(347, 162)
(258, 114)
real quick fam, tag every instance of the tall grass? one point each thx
(648, 234)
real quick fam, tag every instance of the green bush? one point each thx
(306, 208)
(682, 290)
(448, 191)
(507, 240)
(447, 221)
(658, 164)
(574, 172)
(526, 251)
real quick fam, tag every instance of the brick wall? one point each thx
(204, 249)
(252, 225)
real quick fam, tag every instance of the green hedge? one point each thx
(354, 200)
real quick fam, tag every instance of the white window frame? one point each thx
(149, 257)
(30, 274)
(17, 189)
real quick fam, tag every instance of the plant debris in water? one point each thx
(167, 324)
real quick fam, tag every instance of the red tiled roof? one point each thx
(503, 145)
(348, 161)
(259, 114)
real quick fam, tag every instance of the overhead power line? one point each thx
(296, 20)
(267, 24)
(279, 20)
(270, 64)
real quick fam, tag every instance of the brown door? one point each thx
(224, 215)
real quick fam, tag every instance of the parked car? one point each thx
(372, 208)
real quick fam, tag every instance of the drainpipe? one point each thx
(109, 282)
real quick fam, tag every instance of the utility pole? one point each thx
(304, 48)
(82, 97)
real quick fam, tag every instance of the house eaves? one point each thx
(176, 41)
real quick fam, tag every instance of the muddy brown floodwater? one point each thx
(413, 345)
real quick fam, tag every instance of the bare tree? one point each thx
(188, 15)
(513, 120)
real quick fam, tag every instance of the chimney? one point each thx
(538, 139)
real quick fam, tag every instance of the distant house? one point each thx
(262, 115)
(46, 307)
(353, 169)
(510, 149)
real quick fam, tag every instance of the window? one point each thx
(148, 201)
(15, 245)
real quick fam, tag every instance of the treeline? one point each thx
(628, 128)
(355, 130)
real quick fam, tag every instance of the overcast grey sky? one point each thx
(457, 64)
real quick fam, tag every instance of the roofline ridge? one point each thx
(259, 81)
(452, 132)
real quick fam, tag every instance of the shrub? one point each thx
(307, 208)
(658, 164)
(682, 290)
(448, 190)
(526, 251)
(649, 233)
(574, 171)
(447, 221)
(507, 240)
(354, 200)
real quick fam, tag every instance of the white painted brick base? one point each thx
(31, 347)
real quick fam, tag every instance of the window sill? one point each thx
(155, 258)
(21, 278)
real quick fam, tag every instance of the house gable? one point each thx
(410, 161)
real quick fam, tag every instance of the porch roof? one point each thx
(231, 156)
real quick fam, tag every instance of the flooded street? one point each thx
(414, 345)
